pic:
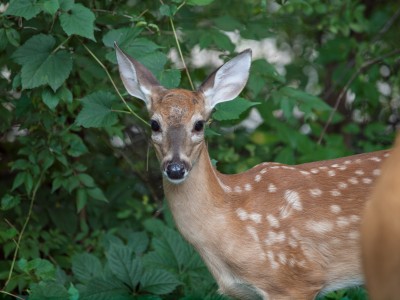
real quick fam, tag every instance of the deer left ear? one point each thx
(228, 81)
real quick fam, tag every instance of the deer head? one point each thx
(178, 116)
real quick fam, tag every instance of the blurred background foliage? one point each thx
(82, 214)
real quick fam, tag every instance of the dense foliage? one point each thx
(82, 214)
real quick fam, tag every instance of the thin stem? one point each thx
(12, 295)
(361, 69)
(21, 234)
(180, 52)
(62, 44)
(113, 83)
(121, 111)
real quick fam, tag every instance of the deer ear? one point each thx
(138, 81)
(228, 81)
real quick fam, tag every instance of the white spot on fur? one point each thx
(314, 171)
(342, 168)
(272, 188)
(347, 162)
(242, 214)
(282, 258)
(255, 217)
(335, 165)
(247, 187)
(237, 189)
(323, 168)
(263, 171)
(376, 172)
(335, 209)
(293, 199)
(335, 193)
(273, 221)
(253, 233)
(367, 180)
(354, 218)
(331, 173)
(305, 172)
(274, 237)
(271, 258)
(287, 168)
(386, 154)
(342, 222)
(319, 226)
(358, 161)
(353, 180)
(342, 185)
(359, 172)
(257, 178)
(377, 159)
(315, 192)
(292, 242)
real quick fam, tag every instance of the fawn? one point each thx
(273, 232)
(381, 232)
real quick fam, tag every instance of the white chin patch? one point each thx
(176, 181)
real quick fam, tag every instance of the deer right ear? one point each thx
(138, 81)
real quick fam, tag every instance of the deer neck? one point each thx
(197, 202)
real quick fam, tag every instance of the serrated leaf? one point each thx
(231, 110)
(81, 199)
(13, 36)
(86, 266)
(23, 8)
(106, 289)
(122, 36)
(48, 291)
(123, 266)
(138, 242)
(86, 179)
(78, 20)
(96, 111)
(158, 282)
(40, 65)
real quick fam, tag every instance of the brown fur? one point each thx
(381, 233)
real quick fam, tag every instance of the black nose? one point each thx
(175, 170)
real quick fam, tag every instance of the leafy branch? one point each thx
(343, 92)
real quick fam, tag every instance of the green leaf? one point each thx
(48, 291)
(124, 37)
(49, 6)
(78, 20)
(106, 289)
(167, 10)
(86, 266)
(97, 111)
(123, 266)
(138, 242)
(170, 78)
(50, 98)
(231, 110)
(8, 201)
(97, 194)
(81, 199)
(23, 8)
(199, 2)
(40, 65)
(13, 36)
(158, 282)
(86, 179)
(19, 179)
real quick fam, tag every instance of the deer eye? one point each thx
(198, 126)
(155, 126)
